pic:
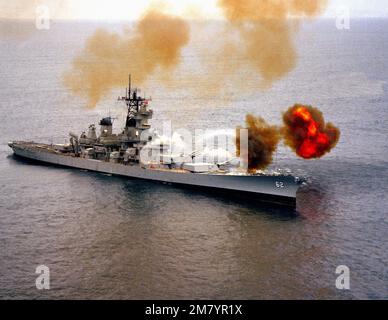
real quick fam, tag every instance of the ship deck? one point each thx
(49, 148)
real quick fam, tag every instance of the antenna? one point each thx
(129, 85)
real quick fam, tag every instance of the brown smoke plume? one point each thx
(262, 142)
(105, 62)
(306, 132)
(267, 32)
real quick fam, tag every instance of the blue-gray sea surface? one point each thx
(108, 237)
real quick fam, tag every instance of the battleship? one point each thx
(120, 154)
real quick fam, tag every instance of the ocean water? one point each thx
(105, 237)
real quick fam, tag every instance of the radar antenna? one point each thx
(133, 102)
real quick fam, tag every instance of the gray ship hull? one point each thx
(280, 189)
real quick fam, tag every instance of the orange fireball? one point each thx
(306, 132)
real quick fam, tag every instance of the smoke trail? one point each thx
(262, 142)
(306, 132)
(107, 58)
(267, 32)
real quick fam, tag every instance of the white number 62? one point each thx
(279, 184)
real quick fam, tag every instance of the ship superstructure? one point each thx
(117, 148)
(120, 154)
